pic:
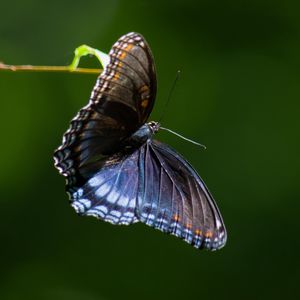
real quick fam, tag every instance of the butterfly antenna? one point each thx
(184, 138)
(170, 95)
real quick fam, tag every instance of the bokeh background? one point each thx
(238, 94)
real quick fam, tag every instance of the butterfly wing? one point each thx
(110, 194)
(121, 102)
(155, 185)
(173, 198)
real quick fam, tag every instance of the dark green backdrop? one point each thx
(238, 95)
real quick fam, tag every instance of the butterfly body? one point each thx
(114, 168)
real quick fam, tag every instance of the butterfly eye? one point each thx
(154, 126)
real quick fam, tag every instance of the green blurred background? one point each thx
(238, 94)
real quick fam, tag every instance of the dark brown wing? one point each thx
(120, 103)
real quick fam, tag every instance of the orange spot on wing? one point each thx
(116, 76)
(144, 103)
(198, 232)
(128, 47)
(188, 226)
(176, 218)
(123, 54)
(143, 89)
(208, 234)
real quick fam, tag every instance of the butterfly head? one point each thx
(153, 126)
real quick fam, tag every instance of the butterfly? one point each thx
(117, 172)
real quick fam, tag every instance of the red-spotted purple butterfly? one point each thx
(117, 172)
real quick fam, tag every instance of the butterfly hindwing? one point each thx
(154, 185)
(173, 198)
(110, 194)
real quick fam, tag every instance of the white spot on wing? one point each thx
(78, 193)
(111, 219)
(95, 213)
(132, 203)
(113, 196)
(218, 224)
(79, 208)
(115, 213)
(123, 201)
(144, 215)
(103, 190)
(96, 181)
(151, 217)
(128, 214)
(102, 208)
(85, 202)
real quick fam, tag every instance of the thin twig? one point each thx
(30, 68)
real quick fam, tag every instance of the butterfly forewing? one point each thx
(121, 101)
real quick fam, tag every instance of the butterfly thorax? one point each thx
(143, 134)
(132, 143)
